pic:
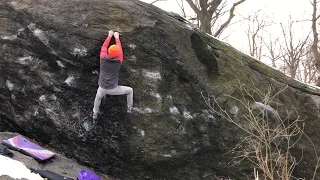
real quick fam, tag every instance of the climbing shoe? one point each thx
(94, 116)
(133, 110)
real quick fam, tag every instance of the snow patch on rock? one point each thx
(153, 75)
(147, 110)
(60, 64)
(167, 155)
(12, 37)
(132, 58)
(79, 52)
(142, 133)
(187, 115)
(132, 46)
(69, 80)
(42, 98)
(174, 110)
(9, 85)
(24, 60)
(156, 95)
(39, 34)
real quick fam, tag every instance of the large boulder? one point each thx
(48, 80)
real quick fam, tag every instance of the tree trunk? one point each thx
(205, 22)
(315, 39)
(204, 10)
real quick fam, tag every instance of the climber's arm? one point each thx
(104, 48)
(118, 43)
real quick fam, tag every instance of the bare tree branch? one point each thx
(182, 8)
(213, 6)
(256, 28)
(272, 47)
(156, 1)
(231, 15)
(193, 6)
(218, 13)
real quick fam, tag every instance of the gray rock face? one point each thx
(48, 80)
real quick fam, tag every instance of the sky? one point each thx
(282, 8)
(279, 10)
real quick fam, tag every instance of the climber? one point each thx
(110, 62)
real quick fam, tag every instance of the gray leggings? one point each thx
(120, 90)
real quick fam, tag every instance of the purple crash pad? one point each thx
(20, 143)
(87, 175)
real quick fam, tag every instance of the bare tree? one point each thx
(255, 33)
(272, 47)
(314, 46)
(307, 69)
(207, 11)
(292, 52)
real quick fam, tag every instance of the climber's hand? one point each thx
(111, 33)
(116, 34)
